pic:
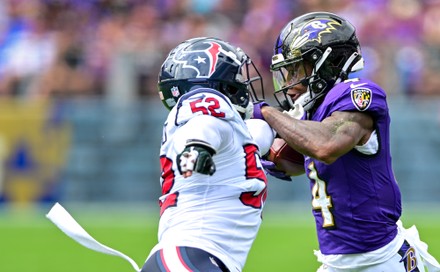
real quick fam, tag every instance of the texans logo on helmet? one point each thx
(203, 61)
(313, 31)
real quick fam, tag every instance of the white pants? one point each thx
(392, 265)
(384, 260)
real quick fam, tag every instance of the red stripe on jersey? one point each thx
(162, 258)
(181, 259)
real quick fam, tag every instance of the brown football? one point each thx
(286, 158)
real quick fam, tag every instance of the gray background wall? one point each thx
(115, 147)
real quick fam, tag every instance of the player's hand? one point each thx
(257, 110)
(196, 158)
(270, 168)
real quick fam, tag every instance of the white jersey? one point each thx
(220, 214)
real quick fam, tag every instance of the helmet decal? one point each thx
(203, 68)
(361, 98)
(212, 53)
(313, 31)
(209, 63)
(175, 91)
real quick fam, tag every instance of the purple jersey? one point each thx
(356, 200)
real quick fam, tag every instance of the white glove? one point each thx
(297, 112)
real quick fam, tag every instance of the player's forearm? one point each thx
(313, 139)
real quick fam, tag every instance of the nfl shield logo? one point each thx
(175, 91)
(361, 98)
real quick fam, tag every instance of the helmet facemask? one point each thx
(245, 92)
(292, 73)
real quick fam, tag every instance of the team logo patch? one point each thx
(361, 98)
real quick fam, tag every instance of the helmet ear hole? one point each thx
(318, 86)
(238, 95)
(231, 89)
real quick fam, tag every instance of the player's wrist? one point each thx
(258, 110)
(264, 108)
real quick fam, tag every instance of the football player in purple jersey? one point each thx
(341, 125)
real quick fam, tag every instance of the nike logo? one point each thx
(353, 86)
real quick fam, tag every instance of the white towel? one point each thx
(412, 236)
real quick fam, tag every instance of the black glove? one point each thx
(196, 157)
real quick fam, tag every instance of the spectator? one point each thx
(137, 34)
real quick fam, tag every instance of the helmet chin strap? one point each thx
(309, 98)
(249, 111)
(359, 65)
(322, 59)
(245, 113)
(306, 101)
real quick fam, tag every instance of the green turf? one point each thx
(31, 243)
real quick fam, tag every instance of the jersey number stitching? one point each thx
(207, 106)
(251, 199)
(321, 200)
(168, 176)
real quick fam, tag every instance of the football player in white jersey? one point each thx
(213, 184)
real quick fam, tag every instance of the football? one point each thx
(286, 158)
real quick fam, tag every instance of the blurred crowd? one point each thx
(114, 48)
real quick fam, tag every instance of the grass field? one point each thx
(30, 242)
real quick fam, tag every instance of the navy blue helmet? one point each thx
(212, 63)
